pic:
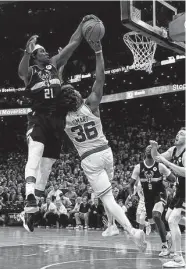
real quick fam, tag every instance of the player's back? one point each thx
(85, 130)
(43, 88)
(177, 159)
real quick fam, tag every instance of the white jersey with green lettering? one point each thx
(85, 130)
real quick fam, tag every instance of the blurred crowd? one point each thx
(69, 200)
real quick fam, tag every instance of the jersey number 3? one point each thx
(86, 131)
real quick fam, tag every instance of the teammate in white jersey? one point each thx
(84, 128)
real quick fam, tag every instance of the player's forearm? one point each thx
(177, 169)
(100, 67)
(154, 152)
(77, 36)
(23, 68)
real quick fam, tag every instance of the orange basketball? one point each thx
(93, 30)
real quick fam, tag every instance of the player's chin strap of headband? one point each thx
(37, 47)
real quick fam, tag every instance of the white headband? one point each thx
(38, 47)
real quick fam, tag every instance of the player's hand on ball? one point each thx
(89, 17)
(30, 45)
(96, 46)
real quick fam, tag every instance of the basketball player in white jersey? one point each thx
(177, 156)
(84, 128)
(141, 210)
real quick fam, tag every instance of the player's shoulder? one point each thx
(137, 167)
(172, 149)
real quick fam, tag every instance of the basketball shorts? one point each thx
(48, 130)
(141, 209)
(152, 204)
(99, 170)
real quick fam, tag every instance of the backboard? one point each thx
(152, 19)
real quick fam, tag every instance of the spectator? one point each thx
(55, 193)
(71, 194)
(13, 195)
(2, 216)
(50, 215)
(65, 201)
(83, 214)
(89, 194)
(3, 195)
(62, 214)
(95, 215)
(123, 193)
(82, 189)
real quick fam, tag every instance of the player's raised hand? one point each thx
(60, 49)
(154, 144)
(89, 17)
(96, 46)
(30, 45)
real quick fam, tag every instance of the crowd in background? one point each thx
(69, 200)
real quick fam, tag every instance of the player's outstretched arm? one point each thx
(181, 171)
(24, 71)
(75, 40)
(154, 151)
(95, 97)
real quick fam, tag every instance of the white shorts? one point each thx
(99, 169)
(141, 209)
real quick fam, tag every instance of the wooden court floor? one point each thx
(70, 249)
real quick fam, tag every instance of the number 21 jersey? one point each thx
(85, 130)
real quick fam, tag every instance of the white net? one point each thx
(143, 50)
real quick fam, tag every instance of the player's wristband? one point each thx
(99, 51)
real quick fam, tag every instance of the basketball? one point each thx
(93, 30)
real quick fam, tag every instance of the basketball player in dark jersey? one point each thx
(175, 159)
(150, 174)
(45, 125)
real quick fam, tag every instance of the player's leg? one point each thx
(174, 219)
(109, 201)
(43, 175)
(94, 169)
(157, 213)
(35, 152)
(109, 168)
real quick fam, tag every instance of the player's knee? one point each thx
(46, 167)
(35, 154)
(156, 216)
(173, 218)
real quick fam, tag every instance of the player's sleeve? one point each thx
(136, 172)
(164, 170)
(168, 154)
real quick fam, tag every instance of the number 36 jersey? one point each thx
(85, 130)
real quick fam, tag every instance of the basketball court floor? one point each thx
(71, 249)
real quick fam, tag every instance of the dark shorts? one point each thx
(48, 130)
(151, 201)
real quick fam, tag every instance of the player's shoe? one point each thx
(28, 221)
(164, 251)
(111, 231)
(31, 204)
(178, 262)
(148, 229)
(169, 240)
(139, 239)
